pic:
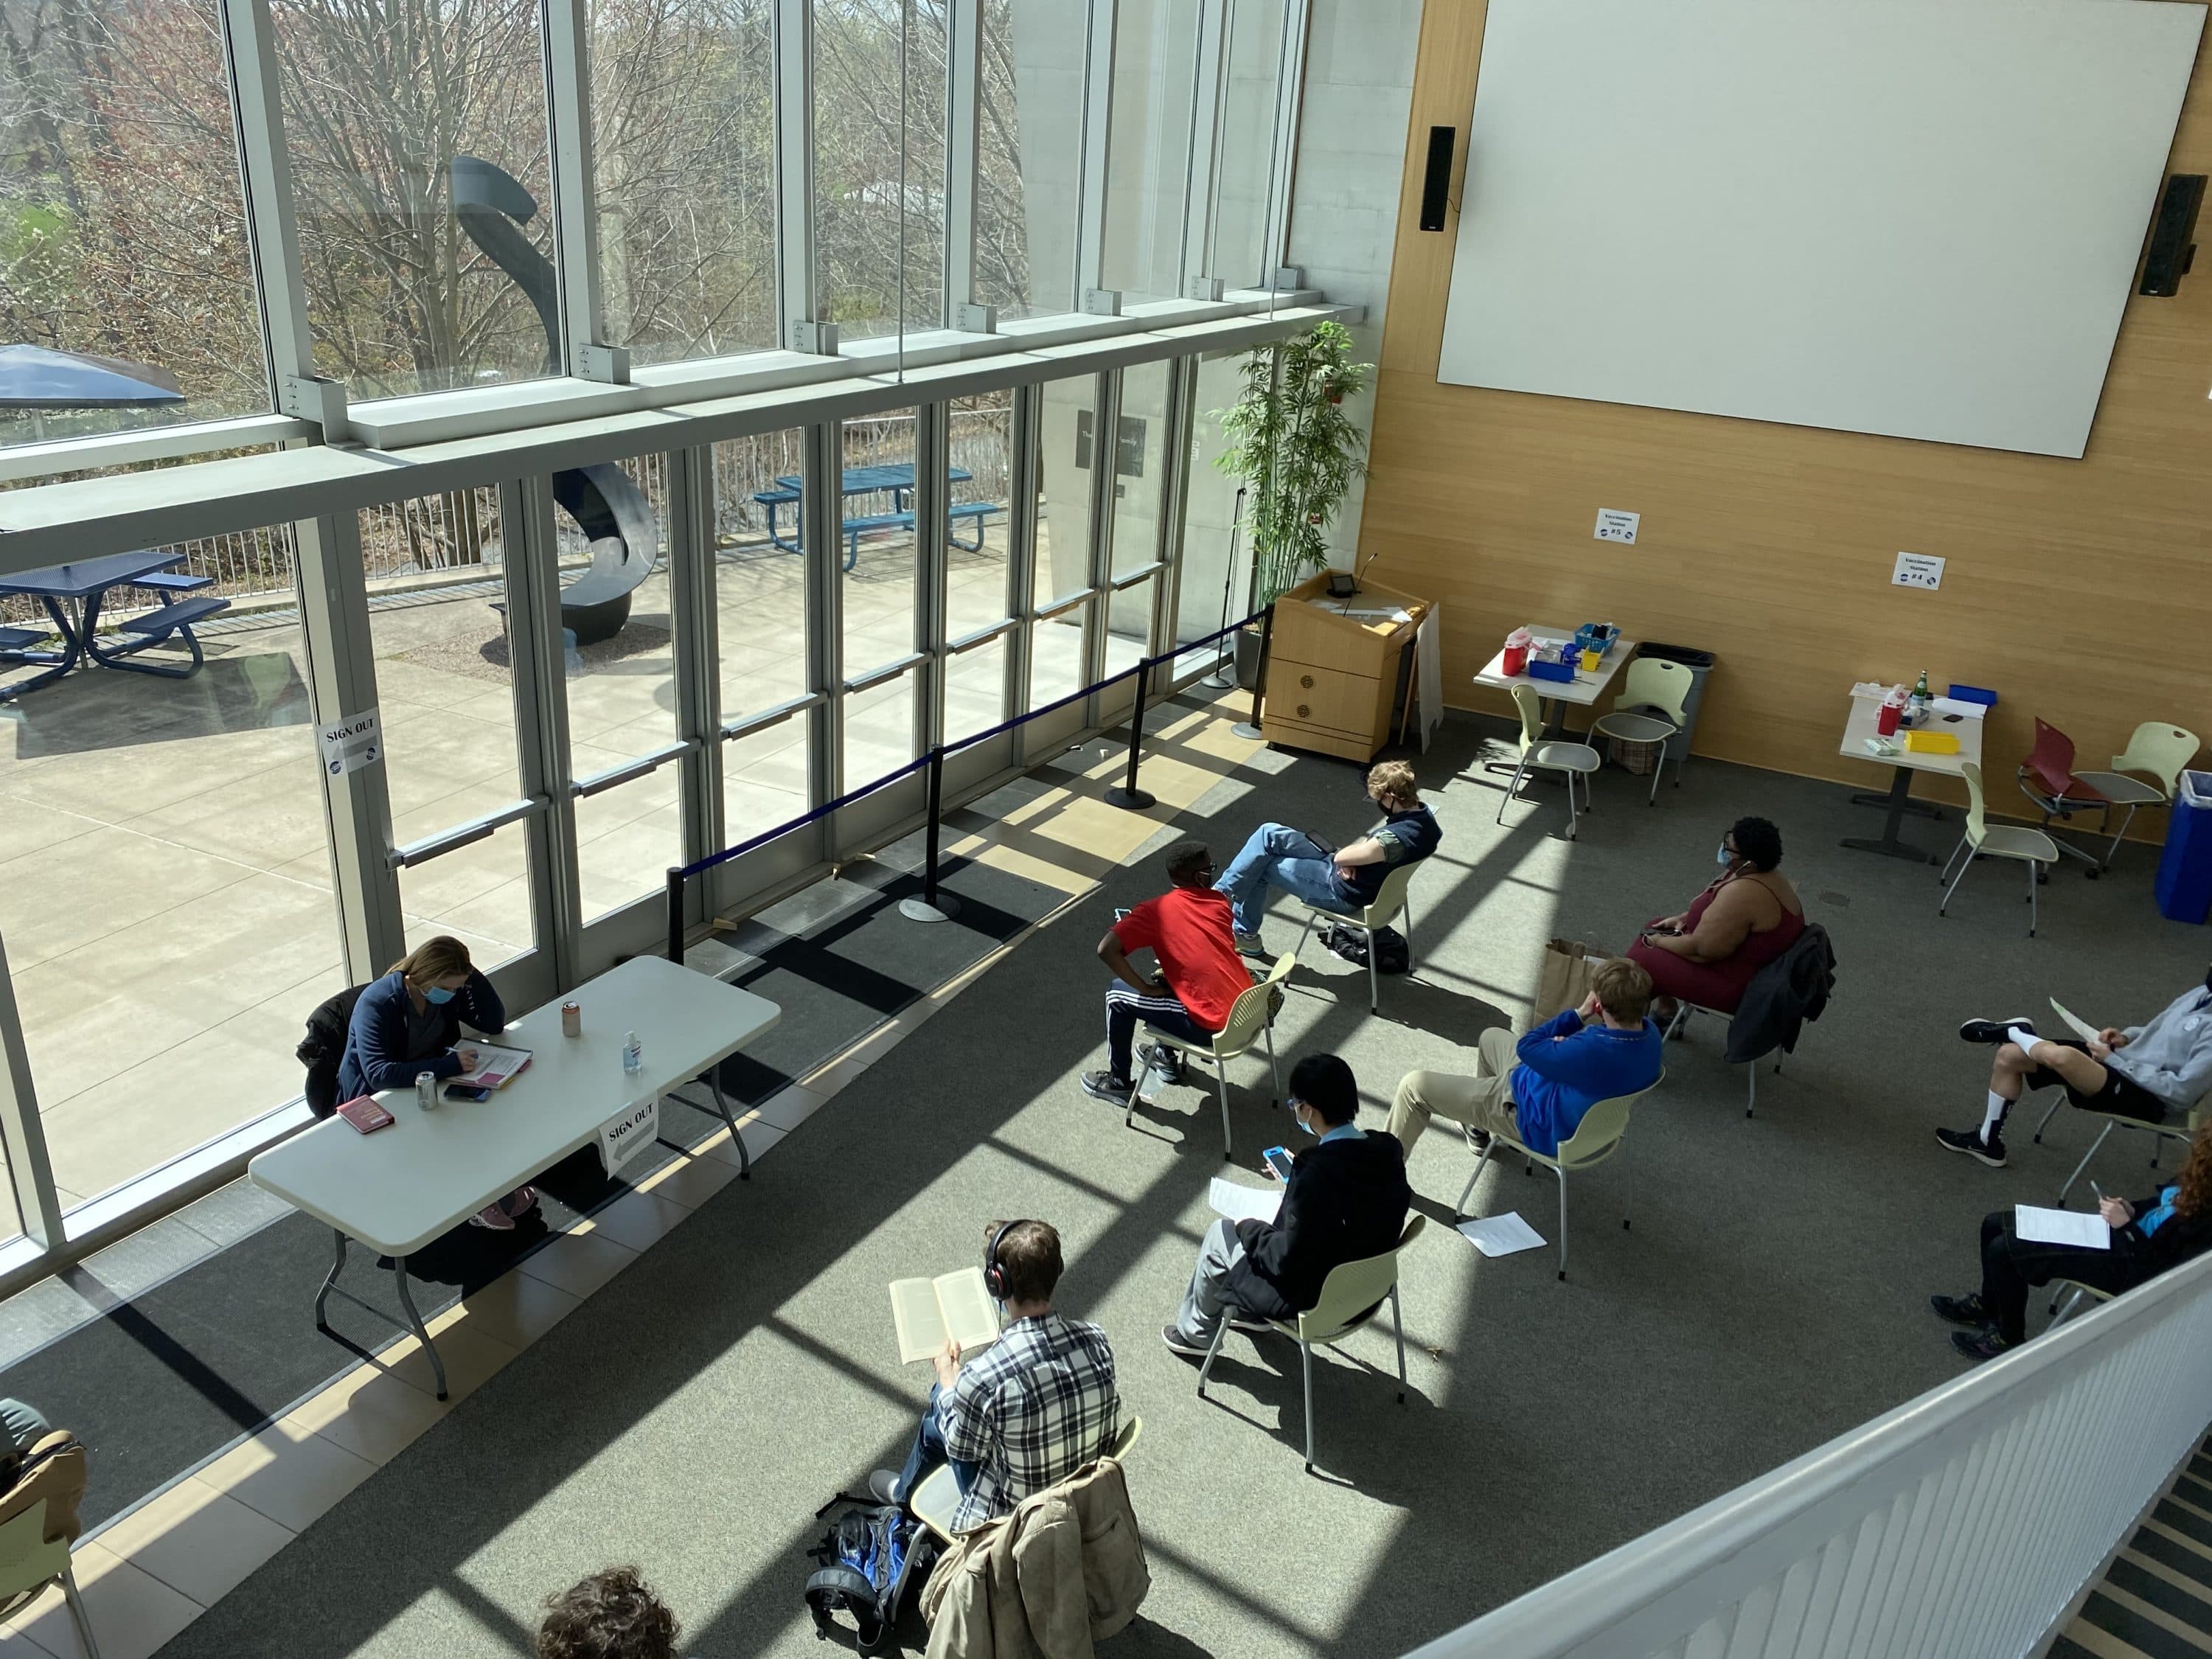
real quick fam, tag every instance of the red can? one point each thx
(1517, 659)
(1884, 718)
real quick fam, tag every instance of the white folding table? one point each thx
(397, 1189)
(1585, 690)
(1859, 728)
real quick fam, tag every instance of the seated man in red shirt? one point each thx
(1188, 931)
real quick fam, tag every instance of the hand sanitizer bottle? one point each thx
(633, 1053)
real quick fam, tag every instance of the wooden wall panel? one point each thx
(2079, 590)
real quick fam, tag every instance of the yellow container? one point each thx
(1592, 659)
(1931, 743)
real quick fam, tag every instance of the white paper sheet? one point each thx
(1502, 1235)
(2037, 1226)
(2079, 1026)
(1972, 711)
(1241, 1203)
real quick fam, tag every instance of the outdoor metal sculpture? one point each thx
(612, 511)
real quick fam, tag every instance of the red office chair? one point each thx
(2047, 777)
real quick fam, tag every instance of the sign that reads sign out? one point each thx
(629, 1132)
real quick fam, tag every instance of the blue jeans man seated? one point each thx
(1345, 879)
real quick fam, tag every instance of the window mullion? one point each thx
(575, 220)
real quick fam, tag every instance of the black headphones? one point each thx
(994, 1273)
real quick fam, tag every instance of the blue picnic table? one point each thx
(73, 595)
(894, 478)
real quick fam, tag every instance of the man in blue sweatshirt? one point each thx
(1536, 1090)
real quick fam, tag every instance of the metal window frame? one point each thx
(797, 305)
(1092, 175)
(963, 69)
(566, 40)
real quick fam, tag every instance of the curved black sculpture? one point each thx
(492, 205)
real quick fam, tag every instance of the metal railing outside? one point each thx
(1961, 1525)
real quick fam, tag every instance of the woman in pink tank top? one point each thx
(1751, 914)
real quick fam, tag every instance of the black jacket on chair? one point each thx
(1345, 1200)
(325, 1045)
(1781, 996)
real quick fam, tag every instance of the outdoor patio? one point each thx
(165, 883)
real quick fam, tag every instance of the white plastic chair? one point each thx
(1680, 1023)
(1984, 840)
(1663, 687)
(1570, 760)
(30, 1561)
(1251, 1017)
(2184, 1132)
(1595, 1139)
(938, 1495)
(1388, 904)
(1352, 1295)
(2157, 751)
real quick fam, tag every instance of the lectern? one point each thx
(1333, 666)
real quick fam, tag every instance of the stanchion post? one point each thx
(1251, 729)
(1126, 793)
(932, 906)
(675, 914)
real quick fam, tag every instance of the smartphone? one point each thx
(465, 1092)
(1278, 1160)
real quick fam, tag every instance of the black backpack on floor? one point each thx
(1392, 954)
(871, 1557)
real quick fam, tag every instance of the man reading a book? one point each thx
(1201, 974)
(1029, 1410)
(1344, 1201)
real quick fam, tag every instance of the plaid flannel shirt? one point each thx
(1031, 1409)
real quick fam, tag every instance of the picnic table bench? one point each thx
(894, 478)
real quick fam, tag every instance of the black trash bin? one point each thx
(1700, 664)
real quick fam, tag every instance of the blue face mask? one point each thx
(1723, 856)
(436, 994)
(1298, 1118)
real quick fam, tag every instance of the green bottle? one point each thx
(1920, 690)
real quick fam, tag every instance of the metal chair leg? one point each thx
(2047, 1116)
(2084, 1163)
(1398, 1324)
(1573, 820)
(1274, 1069)
(1459, 1208)
(1751, 1102)
(1220, 1331)
(1136, 1093)
(1311, 917)
(1956, 879)
(1409, 914)
(1514, 787)
(77, 1613)
(1374, 976)
(1306, 1350)
(1562, 1175)
(2032, 867)
(1221, 1076)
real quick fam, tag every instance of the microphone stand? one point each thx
(1221, 679)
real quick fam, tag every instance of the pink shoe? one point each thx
(519, 1202)
(493, 1218)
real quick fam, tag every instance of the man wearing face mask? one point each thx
(1345, 1200)
(1347, 880)
(2152, 1072)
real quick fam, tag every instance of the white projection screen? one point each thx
(1914, 217)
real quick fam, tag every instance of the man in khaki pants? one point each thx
(1599, 1051)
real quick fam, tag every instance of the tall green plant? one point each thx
(1296, 449)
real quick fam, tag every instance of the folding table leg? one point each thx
(744, 1158)
(324, 1295)
(415, 1320)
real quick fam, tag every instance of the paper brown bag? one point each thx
(1562, 979)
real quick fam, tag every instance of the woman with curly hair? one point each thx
(2148, 1235)
(610, 1615)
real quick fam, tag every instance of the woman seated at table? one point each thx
(2148, 1235)
(1709, 955)
(411, 1021)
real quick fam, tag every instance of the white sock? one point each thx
(1990, 1117)
(2026, 1038)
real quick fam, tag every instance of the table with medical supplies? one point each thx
(1863, 740)
(398, 1188)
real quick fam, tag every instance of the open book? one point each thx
(927, 1312)
(495, 1067)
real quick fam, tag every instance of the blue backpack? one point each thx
(869, 1559)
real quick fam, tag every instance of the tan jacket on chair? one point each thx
(59, 1478)
(1065, 1570)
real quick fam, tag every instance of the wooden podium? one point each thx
(1333, 665)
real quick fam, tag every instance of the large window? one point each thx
(881, 562)
(1246, 176)
(1061, 572)
(1215, 575)
(122, 230)
(165, 893)
(1149, 146)
(763, 627)
(416, 132)
(682, 141)
(879, 109)
(1029, 156)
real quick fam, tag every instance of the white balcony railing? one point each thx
(1961, 1525)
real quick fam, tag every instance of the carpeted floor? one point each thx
(169, 1377)
(692, 1415)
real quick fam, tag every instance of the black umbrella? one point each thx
(31, 377)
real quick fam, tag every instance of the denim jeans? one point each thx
(1276, 855)
(929, 1451)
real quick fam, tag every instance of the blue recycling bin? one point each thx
(2184, 888)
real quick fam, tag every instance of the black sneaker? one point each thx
(1178, 1343)
(1978, 1346)
(1105, 1085)
(1991, 1031)
(1965, 1310)
(1166, 1067)
(1969, 1141)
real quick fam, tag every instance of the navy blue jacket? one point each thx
(377, 1055)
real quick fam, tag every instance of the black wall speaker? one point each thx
(2171, 249)
(1437, 179)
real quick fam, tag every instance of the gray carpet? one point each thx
(692, 1415)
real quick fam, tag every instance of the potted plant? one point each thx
(1298, 452)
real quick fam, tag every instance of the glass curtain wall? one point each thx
(1245, 174)
(1029, 156)
(978, 553)
(1148, 148)
(763, 629)
(1061, 580)
(684, 154)
(1214, 577)
(122, 222)
(880, 565)
(1140, 495)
